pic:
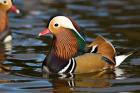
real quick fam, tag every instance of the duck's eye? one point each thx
(4, 2)
(56, 25)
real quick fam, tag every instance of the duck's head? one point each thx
(7, 5)
(60, 25)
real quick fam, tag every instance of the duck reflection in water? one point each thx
(3, 68)
(66, 83)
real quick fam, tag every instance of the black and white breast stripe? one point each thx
(69, 68)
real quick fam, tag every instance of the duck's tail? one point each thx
(120, 58)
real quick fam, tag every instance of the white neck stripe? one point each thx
(78, 34)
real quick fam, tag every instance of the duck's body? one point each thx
(92, 62)
(5, 7)
(64, 56)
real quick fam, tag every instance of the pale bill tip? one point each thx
(39, 34)
(18, 11)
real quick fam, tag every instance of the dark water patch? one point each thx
(109, 90)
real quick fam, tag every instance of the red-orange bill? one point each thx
(44, 32)
(14, 9)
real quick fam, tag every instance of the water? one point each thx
(116, 20)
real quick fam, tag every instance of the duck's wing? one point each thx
(103, 47)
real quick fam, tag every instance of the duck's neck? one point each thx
(65, 45)
(3, 20)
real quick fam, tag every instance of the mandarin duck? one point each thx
(68, 54)
(5, 7)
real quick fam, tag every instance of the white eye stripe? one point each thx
(66, 23)
(79, 34)
(1, 1)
